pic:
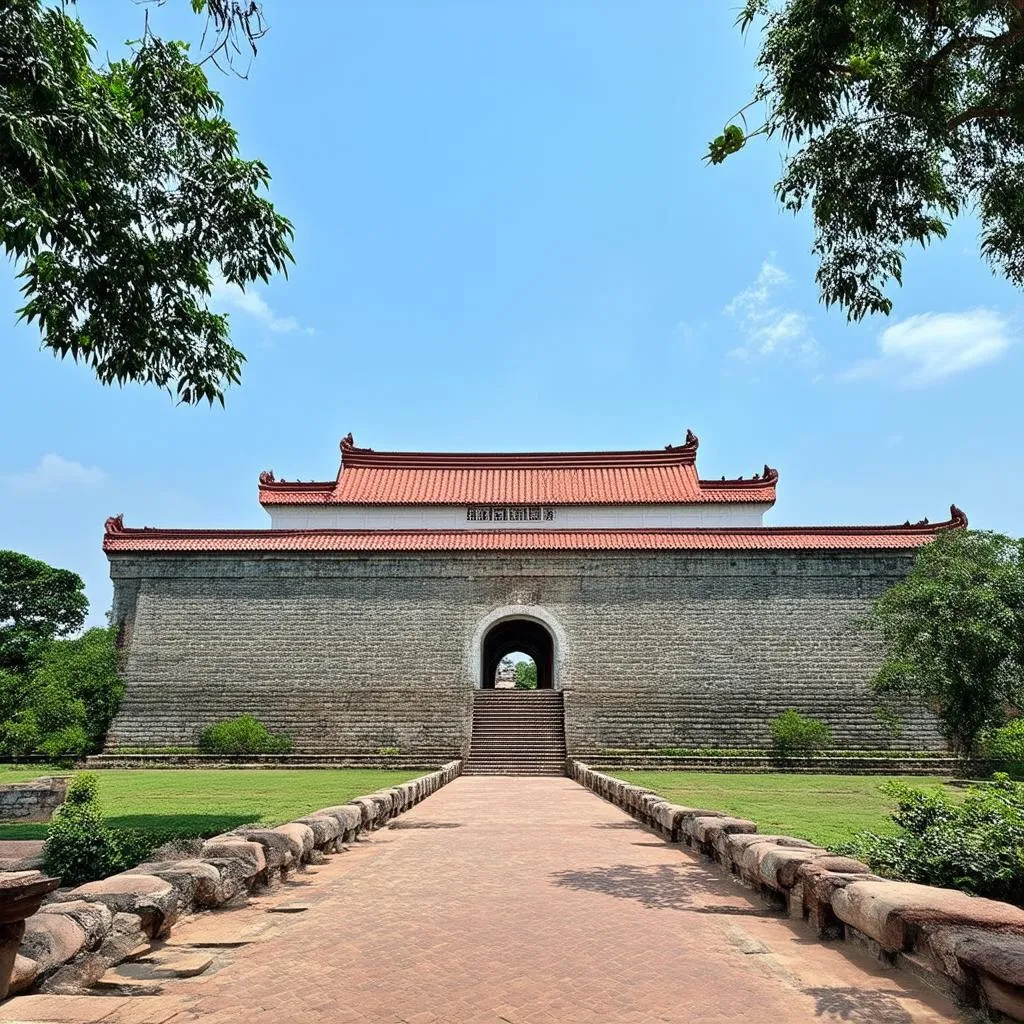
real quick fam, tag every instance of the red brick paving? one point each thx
(515, 901)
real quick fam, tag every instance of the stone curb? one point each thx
(972, 948)
(72, 941)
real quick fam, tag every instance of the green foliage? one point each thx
(896, 118)
(954, 633)
(242, 735)
(123, 195)
(87, 668)
(37, 602)
(526, 675)
(63, 705)
(1005, 744)
(793, 734)
(976, 845)
(79, 845)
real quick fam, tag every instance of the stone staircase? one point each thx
(517, 732)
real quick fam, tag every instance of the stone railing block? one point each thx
(151, 899)
(233, 847)
(300, 838)
(895, 914)
(326, 830)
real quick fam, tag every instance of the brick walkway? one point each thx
(519, 901)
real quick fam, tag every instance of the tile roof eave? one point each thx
(119, 539)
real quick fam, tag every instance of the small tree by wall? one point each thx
(953, 630)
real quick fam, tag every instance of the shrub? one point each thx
(1007, 743)
(976, 845)
(245, 734)
(79, 845)
(793, 734)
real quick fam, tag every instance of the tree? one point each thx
(122, 195)
(64, 703)
(37, 604)
(953, 631)
(898, 117)
(86, 666)
(526, 675)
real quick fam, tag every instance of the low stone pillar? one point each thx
(21, 893)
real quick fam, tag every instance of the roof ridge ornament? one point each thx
(691, 443)
(347, 443)
(115, 524)
(957, 517)
(267, 477)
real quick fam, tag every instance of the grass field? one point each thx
(826, 809)
(171, 802)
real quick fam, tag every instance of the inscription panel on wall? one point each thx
(510, 514)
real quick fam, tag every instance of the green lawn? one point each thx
(826, 809)
(204, 802)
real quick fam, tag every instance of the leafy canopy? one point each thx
(953, 631)
(64, 703)
(122, 193)
(897, 118)
(526, 675)
(37, 604)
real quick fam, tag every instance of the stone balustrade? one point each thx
(972, 947)
(67, 945)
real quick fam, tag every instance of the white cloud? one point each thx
(54, 473)
(254, 305)
(769, 329)
(926, 348)
(755, 298)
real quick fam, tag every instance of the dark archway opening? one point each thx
(519, 635)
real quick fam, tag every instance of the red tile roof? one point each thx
(667, 476)
(121, 539)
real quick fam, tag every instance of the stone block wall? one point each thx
(32, 801)
(355, 653)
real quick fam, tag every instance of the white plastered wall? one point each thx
(566, 517)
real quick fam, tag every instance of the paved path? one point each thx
(513, 901)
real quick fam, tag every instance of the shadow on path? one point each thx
(658, 887)
(858, 1005)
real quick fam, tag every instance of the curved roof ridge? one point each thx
(683, 454)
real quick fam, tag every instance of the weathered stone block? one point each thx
(52, 939)
(233, 847)
(95, 919)
(894, 913)
(147, 897)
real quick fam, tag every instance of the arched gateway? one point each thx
(524, 635)
(371, 614)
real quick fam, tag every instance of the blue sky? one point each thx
(506, 239)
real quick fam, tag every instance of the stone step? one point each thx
(517, 733)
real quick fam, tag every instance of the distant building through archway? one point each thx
(518, 635)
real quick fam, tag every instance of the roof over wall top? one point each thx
(665, 476)
(121, 539)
